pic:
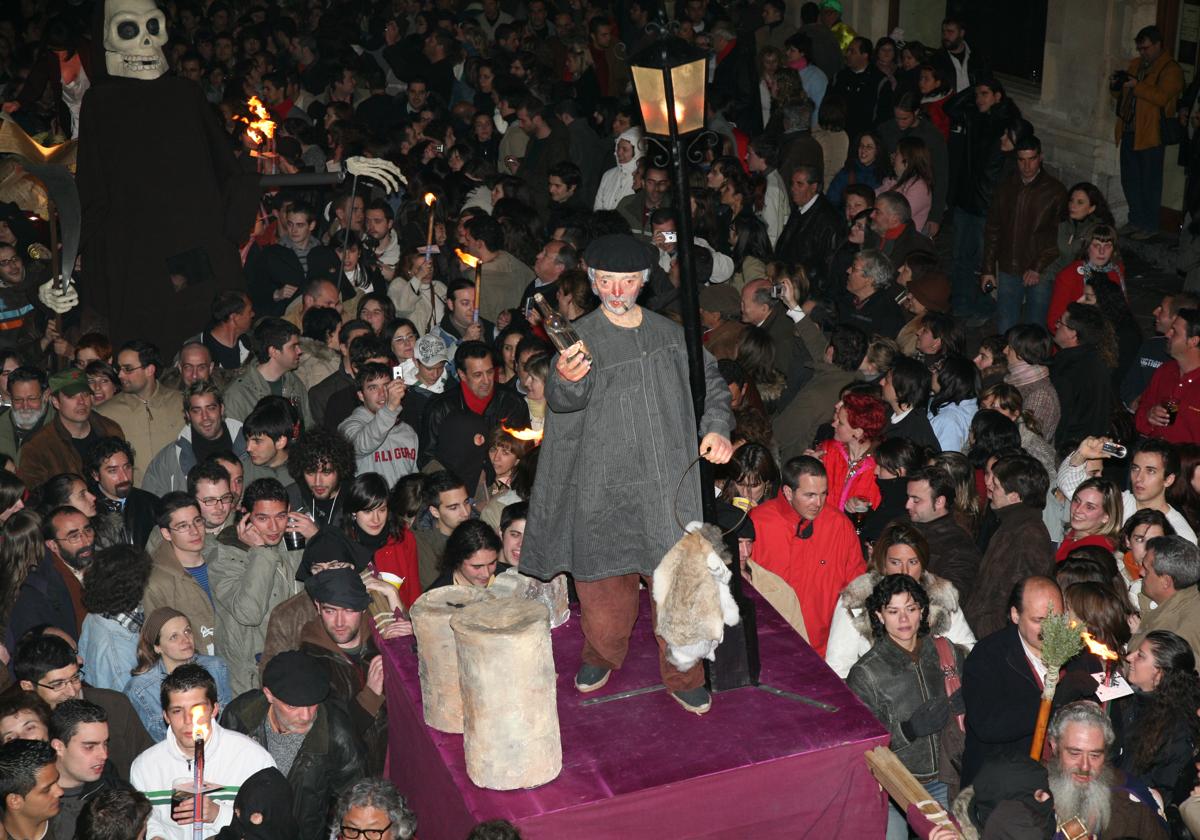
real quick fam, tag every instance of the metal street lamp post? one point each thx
(669, 77)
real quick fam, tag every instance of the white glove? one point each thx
(383, 171)
(58, 302)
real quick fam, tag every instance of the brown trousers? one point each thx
(608, 610)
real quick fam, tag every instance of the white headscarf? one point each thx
(618, 181)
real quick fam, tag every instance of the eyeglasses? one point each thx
(352, 833)
(407, 339)
(10, 261)
(129, 368)
(58, 685)
(213, 501)
(77, 537)
(196, 525)
(98, 381)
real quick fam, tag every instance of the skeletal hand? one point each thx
(383, 171)
(58, 301)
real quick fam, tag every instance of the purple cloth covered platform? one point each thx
(757, 765)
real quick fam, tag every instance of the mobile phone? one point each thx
(439, 147)
(777, 291)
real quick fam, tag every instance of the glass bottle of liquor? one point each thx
(557, 327)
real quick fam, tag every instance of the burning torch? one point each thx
(477, 264)
(199, 733)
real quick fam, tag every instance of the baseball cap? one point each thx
(71, 382)
(431, 350)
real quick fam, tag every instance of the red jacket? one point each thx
(399, 557)
(817, 568)
(1069, 544)
(1068, 286)
(843, 485)
(1165, 384)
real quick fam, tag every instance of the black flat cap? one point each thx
(621, 253)
(297, 678)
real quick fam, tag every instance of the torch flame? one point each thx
(524, 434)
(430, 198)
(199, 726)
(1096, 647)
(261, 127)
(466, 258)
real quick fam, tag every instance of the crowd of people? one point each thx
(947, 423)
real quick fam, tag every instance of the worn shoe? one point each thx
(591, 678)
(696, 700)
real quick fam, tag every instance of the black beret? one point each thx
(297, 678)
(331, 545)
(620, 252)
(338, 588)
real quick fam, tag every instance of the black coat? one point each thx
(878, 314)
(277, 266)
(329, 761)
(976, 161)
(450, 430)
(1002, 697)
(910, 241)
(809, 239)
(862, 97)
(736, 76)
(893, 494)
(137, 516)
(953, 554)
(1084, 386)
(915, 427)
(42, 599)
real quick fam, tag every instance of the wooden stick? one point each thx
(1039, 731)
(903, 787)
(55, 262)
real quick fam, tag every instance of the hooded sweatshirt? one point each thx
(618, 181)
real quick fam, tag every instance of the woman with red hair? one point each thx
(858, 424)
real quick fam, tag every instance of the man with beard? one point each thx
(52, 593)
(320, 462)
(630, 388)
(110, 467)
(1108, 802)
(63, 444)
(27, 388)
(207, 431)
(338, 637)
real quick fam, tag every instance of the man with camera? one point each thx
(1146, 94)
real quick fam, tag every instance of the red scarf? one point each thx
(474, 403)
(726, 50)
(895, 232)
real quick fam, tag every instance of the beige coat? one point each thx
(149, 425)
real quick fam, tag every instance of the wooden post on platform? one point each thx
(511, 738)
(437, 660)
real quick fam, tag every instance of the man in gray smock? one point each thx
(620, 433)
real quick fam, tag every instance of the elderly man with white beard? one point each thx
(30, 395)
(1109, 803)
(620, 432)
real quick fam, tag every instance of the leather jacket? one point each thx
(330, 758)
(1022, 225)
(892, 686)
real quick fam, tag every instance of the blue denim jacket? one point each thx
(142, 691)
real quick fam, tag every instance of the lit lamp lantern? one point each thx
(670, 71)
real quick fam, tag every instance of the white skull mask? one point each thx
(134, 34)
